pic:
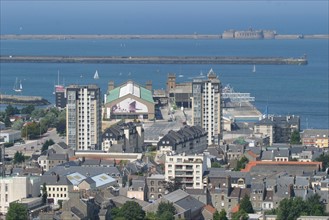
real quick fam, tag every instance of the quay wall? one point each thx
(155, 60)
(23, 100)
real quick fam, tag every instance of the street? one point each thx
(32, 146)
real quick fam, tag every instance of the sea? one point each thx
(300, 90)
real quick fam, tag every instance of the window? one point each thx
(6, 197)
(6, 187)
(152, 183)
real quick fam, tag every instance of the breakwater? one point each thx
(226, 35)
(23, 100)
(156, 60)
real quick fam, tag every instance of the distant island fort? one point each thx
(250, 34)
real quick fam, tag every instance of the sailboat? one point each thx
(254, 69)
(96, 76)
(18, 86)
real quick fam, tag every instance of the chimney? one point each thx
(149, 85)
(228, 185)
(110, 86)
(291, 191)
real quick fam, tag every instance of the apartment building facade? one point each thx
(83, 117)
(207, 107)
(187, 169)
(16, 188)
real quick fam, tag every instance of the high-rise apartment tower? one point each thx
(83, 117)
(207, 106)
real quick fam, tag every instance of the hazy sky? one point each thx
(162, 16)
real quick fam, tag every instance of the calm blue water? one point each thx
(298, 90)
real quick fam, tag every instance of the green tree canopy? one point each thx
(7, 121)
(241, 164)
(240, 215)
(46, 145)
(31, 130)
(17, 125)
(10, 110)
(324, 158)
(130, 210)
(44, 193)
(61, 126)
(28, 109)
(246, 205)
(17, 211)
(295, 137)
(221, 215)
(19, 157)
(292, 208)
(166, 211)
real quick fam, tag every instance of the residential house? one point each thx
(137, 189)
(315, 137)
(186, 206)
(189, 140)
(187, 169)
(155, 186)
(123, 137)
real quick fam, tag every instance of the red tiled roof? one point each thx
(255, 163)
(235, 208)
(210, 209)
(252, 154)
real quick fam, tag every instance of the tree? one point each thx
(240, 215)
(241, 164)
(246, 205)
(166, 210)
(31, 130)
(324, 158)
(130, 210)
(166, 216)
(215, 165)
(172, 186)
(44, 193)
(61, 126)
(17, 211)
(17, 125)
(295, 137)
(314, 206)
(220, 216)
(19, 157)
(10, 110)
(46, 145)
(7, 121)
(28, 109)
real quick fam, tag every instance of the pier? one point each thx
(157, 60)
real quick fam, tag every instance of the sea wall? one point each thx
(23, 100)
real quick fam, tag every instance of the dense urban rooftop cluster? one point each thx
(186, 146)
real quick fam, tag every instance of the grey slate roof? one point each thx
(52, 180)
(86, 171)
(190, 203)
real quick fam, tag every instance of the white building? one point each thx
(83, 117)
(10, 136)
(188, 169)
(16, 188)
(58, 188)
